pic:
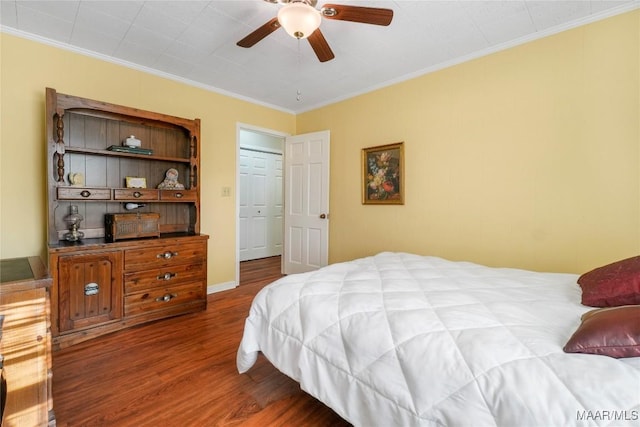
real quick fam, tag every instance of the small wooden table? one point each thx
(26, 342)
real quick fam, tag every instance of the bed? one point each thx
(399, 339)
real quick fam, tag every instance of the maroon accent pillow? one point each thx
(612, 331)
(612, 285)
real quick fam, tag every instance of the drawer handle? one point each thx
(166, 276)
(137, 194)
(85, 193)
(167, 255)
(166, 297)
(179, 195)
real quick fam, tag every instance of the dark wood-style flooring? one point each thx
(182, 372)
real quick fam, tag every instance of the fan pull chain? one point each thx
(298, 92)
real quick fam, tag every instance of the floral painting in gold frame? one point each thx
(383, 174)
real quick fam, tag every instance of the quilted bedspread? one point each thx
(404, 340)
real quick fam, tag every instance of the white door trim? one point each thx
(244, 126)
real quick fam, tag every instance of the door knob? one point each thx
(323, 216)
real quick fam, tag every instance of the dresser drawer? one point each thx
(179, 195)
(83, 193)
(162, 277)
(135, 194)
(164, 255)
(163, 298)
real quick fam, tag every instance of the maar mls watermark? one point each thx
(608, 415)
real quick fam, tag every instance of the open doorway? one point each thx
(260, 194)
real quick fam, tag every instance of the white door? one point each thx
(306, 218)
(260, 204)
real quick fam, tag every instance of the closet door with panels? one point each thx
(261, 204)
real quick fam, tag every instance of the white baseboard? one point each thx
(211, 289)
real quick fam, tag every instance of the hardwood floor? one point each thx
(181, 372)
(260, 272)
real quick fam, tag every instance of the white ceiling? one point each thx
(195, 41)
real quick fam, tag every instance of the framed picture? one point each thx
(136, 182)
(383, 175)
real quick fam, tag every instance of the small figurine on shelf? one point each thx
(171, 181)
(73, 221)
(76, 179)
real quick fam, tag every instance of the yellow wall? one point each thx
(28, 67)
(527, 158)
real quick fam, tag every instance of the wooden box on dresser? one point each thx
(100, 283)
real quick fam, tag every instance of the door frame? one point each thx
(256, 129)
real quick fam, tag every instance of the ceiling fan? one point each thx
(301, 20)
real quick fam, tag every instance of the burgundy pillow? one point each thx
(612, 331)
(612, 285)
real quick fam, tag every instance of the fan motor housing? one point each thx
(311, 3)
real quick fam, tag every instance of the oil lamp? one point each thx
(73, 222)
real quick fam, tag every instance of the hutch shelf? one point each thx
(106, 279)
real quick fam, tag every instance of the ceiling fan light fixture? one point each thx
(299, 19)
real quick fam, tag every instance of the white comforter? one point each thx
(401, 340)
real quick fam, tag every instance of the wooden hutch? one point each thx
(103, 282)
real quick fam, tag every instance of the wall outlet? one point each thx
(226, 191)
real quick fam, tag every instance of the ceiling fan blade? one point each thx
(365, 15)
(320, 46)
(260, 33)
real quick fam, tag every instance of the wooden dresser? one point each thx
(26, 342)
(136, 281)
